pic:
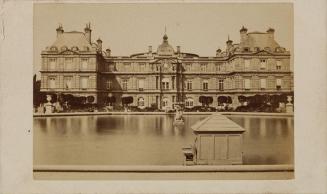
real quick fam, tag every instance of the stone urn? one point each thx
(289, 105)
(48, 106)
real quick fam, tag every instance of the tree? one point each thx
(205, 100)
(127, 100)
(202, 100)
(222, 99)
(111, 100)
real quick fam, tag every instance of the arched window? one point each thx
(189, 103)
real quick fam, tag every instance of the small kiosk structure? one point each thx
(218, 141)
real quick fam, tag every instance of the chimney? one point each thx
(270, 33)
(108, 52)
(150, 49)
(178, 49)
(218, 52)
(60, 30)
(243, 34)
(99, 42)
(229, 44)
(88, 31)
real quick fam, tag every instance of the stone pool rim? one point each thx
(161, 113)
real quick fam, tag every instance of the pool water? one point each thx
(150, 139)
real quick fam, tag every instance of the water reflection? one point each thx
(150, 139)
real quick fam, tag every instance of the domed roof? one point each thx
(165, 48)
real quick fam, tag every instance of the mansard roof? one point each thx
(72, 39)
(259, 39)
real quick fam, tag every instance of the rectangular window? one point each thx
(52, 82)
(203, 67)
(84, 83)
(205, 85)
(173, 82)
(221, 85)
(217, 67)
(109, 84)
(52, 64)
(124, 84)
(189, 84)
(68, 82)
(278, 64)
(263, 84)
(84, 63)
(141, 84)
(188, 67)
(263, 63)
(68, 63)
(247, 84)
(246, 64)
(278, 84)
(142, 67)
(127, 66)
(157, 81)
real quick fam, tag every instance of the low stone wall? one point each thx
(164, 169)
(160, 113)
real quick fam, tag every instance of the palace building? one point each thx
(74, 64)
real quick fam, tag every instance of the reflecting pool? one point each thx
(149, 139)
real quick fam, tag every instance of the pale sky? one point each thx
(131, 28)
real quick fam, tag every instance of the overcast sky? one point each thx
(131, 28)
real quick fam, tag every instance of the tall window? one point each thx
(127, 66)
(141, 84)
(247, 84)
(84, 83)
(188, 67)
(157, 82)
(52, 82)
(68, 82)
(217, 67)
(165, 83)
(109, 84)
(221, 85)
(52, 63)
(246, 64)
(68, 63)
(173, 82)
(278, 84)
(189, 85)
(263, 84)
(278, 64)
(84, 63)
(205, 85)
(124, 84)
(263, 63)
(203, 67)
(142, 67)
(189, 102)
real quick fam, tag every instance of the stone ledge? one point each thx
(164, 169)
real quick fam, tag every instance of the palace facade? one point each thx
(74, 64)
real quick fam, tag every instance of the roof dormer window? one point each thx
(74, 48)
(63, 48)
(246, 49)
(53, 48)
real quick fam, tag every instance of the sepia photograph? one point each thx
(163, 91)
(194, 97)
